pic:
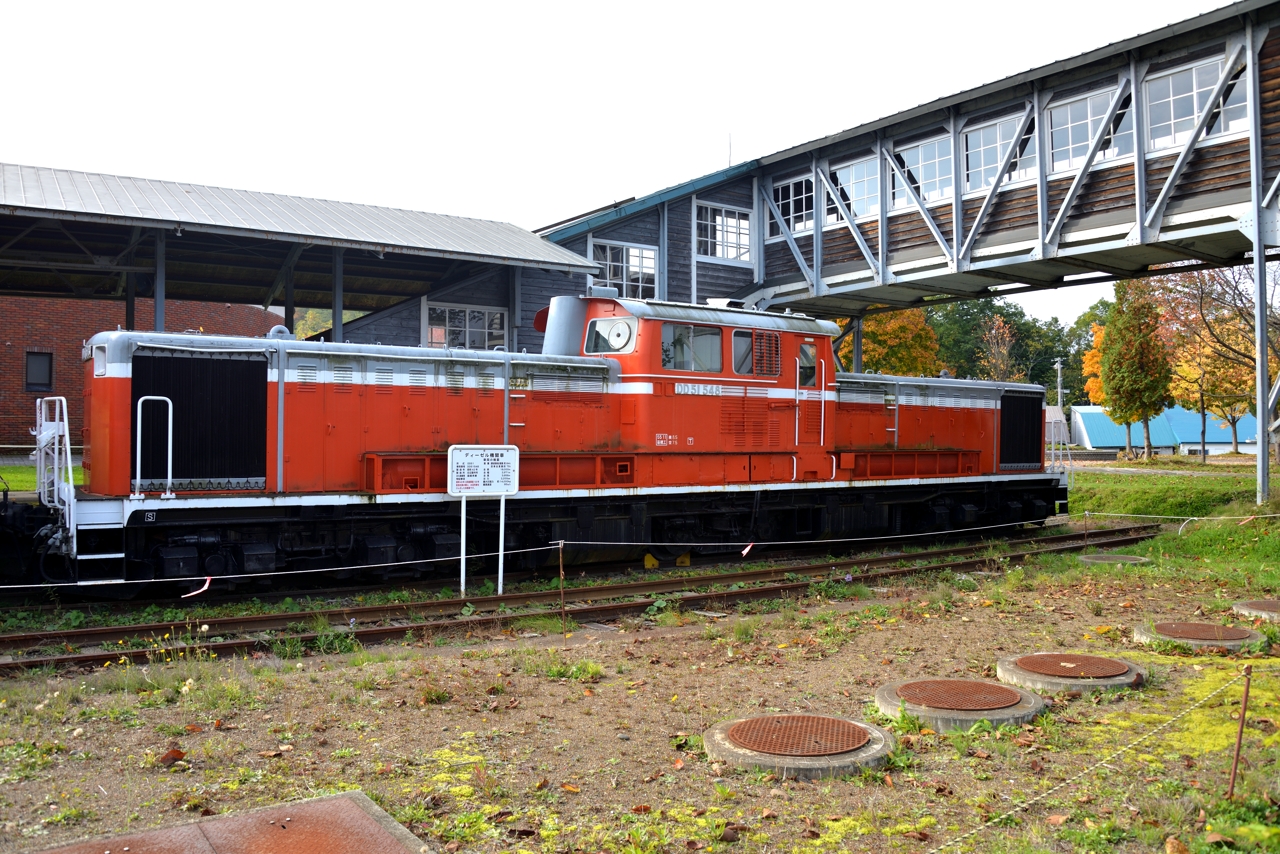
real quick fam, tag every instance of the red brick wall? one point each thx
(60, 326)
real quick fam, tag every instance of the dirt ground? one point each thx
(473, 746)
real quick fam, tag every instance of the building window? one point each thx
(859, 187)
(986, 146)
(928, 169)
(630, 269)
(795, 202)
(465, 327)
(1175, 100)
(39, 372)
(724, 233)
(1072, 126)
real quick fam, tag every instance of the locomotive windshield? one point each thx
(691, 348)
(611, 335)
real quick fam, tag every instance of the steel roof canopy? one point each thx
(86, 196)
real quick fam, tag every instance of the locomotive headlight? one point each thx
(619, 335)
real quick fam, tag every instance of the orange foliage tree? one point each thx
(899, 342)
(1092, 371)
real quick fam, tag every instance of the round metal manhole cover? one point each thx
(1201, 631)
(1072, 666)
(1263, 605)
(798, 735)
(966, 695)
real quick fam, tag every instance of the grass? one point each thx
(1157, 495)
(23, 478)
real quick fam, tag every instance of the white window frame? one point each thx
(1178, 139)
(425, 335)
(833, 216)
(744, 258)
(938, 196)
(770, 222)
(1018, 173)
(622, 286)
(1105, 156)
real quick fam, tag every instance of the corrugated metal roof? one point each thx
(1174, 426)
(63, 194)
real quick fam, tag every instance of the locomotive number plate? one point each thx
(484, 470)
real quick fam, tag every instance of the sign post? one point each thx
(484, 471)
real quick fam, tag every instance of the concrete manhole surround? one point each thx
(1267, 609)
(801, 736)
(1006, 705)
(1197, 635)
(1076, 673)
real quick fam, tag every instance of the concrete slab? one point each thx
(348, 823)
(1150, 634)
(1267, 609)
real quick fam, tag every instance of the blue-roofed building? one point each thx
(1176, 430)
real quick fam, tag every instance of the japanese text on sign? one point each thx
(484, 470)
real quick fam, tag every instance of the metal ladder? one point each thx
(55, 474)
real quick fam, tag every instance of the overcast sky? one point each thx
(524, 112)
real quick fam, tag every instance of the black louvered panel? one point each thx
(219, 420)
(1021, 431)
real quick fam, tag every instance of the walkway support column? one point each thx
(288, 299)
(337, 294)
(1259, 267)
(857, 345)
(130, 300)
(159, 288)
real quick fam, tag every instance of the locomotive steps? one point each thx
(373, 624)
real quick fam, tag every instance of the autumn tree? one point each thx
(1205, 381)
(1091, 367)
(996, 356)
(1135, 366)
(898, 342)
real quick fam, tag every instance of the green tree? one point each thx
(1079, 340)
(1136, 367)
(960, 327)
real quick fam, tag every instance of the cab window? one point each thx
(808, 377)
(743, 363)
(611, 335)
(691, 348)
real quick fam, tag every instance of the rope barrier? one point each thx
(1095, 766)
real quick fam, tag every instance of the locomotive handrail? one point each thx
(55, 473)
(168, 483)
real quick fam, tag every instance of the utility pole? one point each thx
(1057, 363)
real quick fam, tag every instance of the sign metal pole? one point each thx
(462, 569)
(502, 537)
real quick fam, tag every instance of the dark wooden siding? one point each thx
(721, 280)
(1106, 191)
(537, 287)
(679, 244)
(1269, 81)
(641, 228)
(1212, 169)
(908, 231)
(778, 260)
(401, 325)
(1013, 211)
(839, 247)
(737, 194)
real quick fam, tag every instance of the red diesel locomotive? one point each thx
(641, 422)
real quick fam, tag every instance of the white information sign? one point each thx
(484, 471)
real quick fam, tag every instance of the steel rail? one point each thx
(218, 626)
(587, 608)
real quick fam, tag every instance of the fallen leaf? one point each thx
(587, 692)
(217, 724)
(888, 781)
(678, 764)
(694, 845)
(453, 846)
(171, 757)
(699, 812)
(980, 754)
(918, 835)
(521, 832)
(269, 754)
(1090, 823)
(927, 731)
(540, 785)
(569, 787)
(1218, 839)
(286, 748)
(1037, 765)
(768, 815)
(641, 809)
(1057, 820)
(193, 728)
(1173, 845)
(810, 834)
(729, 835)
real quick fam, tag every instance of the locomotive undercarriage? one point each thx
(247, 547)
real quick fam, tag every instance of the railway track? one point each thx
(377, 623)
(73, 596)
